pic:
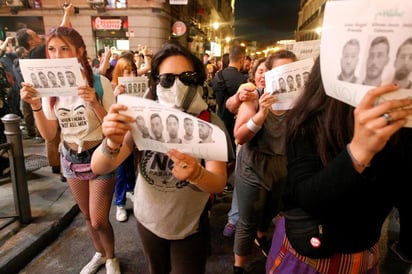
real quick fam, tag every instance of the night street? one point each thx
(72, 250)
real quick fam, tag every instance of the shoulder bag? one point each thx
(307, 234)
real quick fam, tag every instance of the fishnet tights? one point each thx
(94, 198)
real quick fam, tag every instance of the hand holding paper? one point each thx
(168, 129)
(115, 124)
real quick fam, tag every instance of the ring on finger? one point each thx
(184, 165)
(388, 118)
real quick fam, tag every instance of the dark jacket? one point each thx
(225, 84)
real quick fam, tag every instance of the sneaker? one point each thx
(95, 263)
(229, 230)
(399, 253)
(28, 137)
(121, 214)
(112, 266)
(228, 189)
(38, 140)
(129, 195)
(263, 244)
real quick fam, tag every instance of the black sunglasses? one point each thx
(188, 78)
(60, 31)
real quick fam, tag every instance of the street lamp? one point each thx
(217, 49)
(226, 47)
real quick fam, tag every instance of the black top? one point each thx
(225, 84)
(38, 52)
(352, 206)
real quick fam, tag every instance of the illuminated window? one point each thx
(116, 4)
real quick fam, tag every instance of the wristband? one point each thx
(252, 126)
(356, 162)
(108, 151)
(37, 110)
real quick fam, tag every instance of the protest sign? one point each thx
(53, 77)
(287, 82)
(364, 44)
(160, 128)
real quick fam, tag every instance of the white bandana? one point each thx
(175, 97)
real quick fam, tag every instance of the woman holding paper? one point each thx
(347, 168)
(79, 118)
(126, 172)
(172, 189)
(260, 165)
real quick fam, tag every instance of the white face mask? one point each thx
(175, 97)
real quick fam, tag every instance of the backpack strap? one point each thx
(189, 97)
(98, 87)
(220, 75)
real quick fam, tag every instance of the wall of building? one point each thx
(148, 24)
(310, 18)
(149, 21)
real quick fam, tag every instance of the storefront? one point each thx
(111, 31)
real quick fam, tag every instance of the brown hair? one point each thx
(255, 66)
(125, 62)
(280, 54)
(72, 37)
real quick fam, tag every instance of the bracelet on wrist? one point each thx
(354, 161)
(252, 126)
(38, 109)
(108, 151)
(195, 180)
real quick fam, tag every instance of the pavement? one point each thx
(53, 209)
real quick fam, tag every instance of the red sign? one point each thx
(179, 28)
(200, 11)
(102, 24)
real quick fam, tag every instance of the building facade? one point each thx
(124, 24)
(310, 20)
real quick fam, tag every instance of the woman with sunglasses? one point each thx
(171, 200)
(93, 193)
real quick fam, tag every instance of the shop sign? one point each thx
(179, 28)
(104, 24)
(178, 2)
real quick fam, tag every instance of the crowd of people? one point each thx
(325, 174)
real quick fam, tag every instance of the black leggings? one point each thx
(176, 256)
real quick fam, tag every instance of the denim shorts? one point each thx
(69, 157)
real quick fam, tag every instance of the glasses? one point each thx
(65, 31)
(188, 78)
